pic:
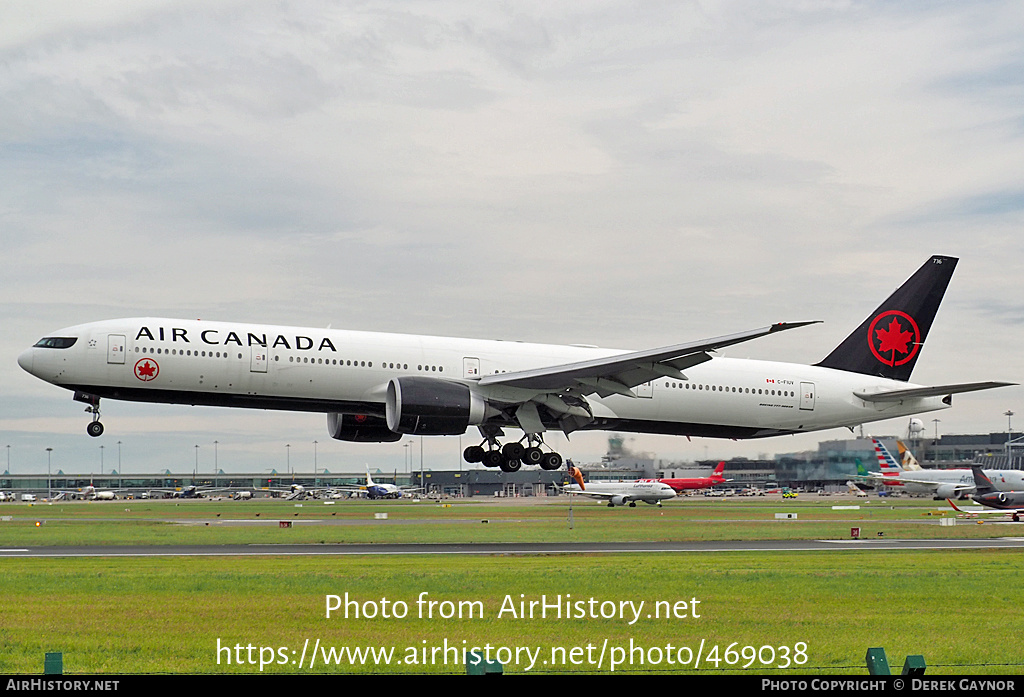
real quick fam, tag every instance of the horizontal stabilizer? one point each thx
(922, 392)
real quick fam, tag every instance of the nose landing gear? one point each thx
(95, 428)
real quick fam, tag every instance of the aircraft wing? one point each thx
(619, 374)
(986, 510)
(958, 488)
(592, 494)
(920, 392)
(893, 480)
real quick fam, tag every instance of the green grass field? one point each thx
(816, 612)
(958, 609)
(216, 522)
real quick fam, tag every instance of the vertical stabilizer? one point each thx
(886, 462)
(889, 341)
(982, 484)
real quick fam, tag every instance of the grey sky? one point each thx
(628, 175)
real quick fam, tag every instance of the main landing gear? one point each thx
(512, 456)
(95, 428)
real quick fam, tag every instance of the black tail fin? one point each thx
(982, 484)
(889, 341)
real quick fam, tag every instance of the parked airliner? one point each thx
(692, 483)
(378, 387)
(939, 483)
(378, 490)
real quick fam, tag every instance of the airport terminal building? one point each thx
(828, 468)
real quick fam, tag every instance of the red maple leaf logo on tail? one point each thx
(893, 338)
(901, 336)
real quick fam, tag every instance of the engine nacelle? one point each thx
(1003, 498)
(618, 500)
(360, 428)
(431, 407)
(946, 491)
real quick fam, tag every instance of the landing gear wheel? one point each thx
(94, 429)
(510, 466)
(493, 458)
(473, 453)
(533, 456)
(551, 461)
(513, 451)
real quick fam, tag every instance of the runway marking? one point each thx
(512, 550)
(872, 541)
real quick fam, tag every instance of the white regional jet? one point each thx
(379, 387)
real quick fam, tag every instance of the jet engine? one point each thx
(431, 407)
(360, 428)
(946, 491)
(617, 501)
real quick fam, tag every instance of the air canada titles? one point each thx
(213, 337)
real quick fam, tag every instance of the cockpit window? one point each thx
(57, 342)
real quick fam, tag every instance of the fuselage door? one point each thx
(645, 390)
(807, 396)
(115, 348)
(470, 367)
(259, 359)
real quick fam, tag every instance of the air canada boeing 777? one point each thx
(378, 387)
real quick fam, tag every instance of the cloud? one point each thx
(624, 175)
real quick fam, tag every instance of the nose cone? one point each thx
(25, 360)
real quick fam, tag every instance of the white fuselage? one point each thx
(952, 482)
(324, 370)
(623, 493)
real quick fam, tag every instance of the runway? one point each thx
(511, 548)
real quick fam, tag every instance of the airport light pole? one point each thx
(314, 463)
(8, 459)
(49, 485)
(288, 458)
(101, 460)
(1009, 436)
(195, 470)
(216, 465)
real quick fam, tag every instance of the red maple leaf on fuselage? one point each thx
(893, 338)
(146, 370)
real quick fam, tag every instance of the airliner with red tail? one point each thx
(690, 483)
(379, 387)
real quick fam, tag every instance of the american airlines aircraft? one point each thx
(939, 483)
(378, 387)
